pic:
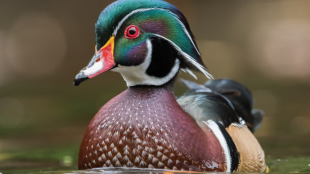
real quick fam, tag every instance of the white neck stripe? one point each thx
(136, 75)
(148, 9)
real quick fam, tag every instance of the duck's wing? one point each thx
(236, 95)
(225, 106)
(203, 104)
(241, 99)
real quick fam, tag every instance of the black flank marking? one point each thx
(234, 154)
(163, 58)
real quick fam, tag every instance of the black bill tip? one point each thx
(77, 82)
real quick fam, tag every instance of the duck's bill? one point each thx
(102, 61)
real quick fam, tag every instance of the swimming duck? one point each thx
(207, 129)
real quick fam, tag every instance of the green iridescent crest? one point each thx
(156, 21)
(162, 13)
(115, 12)
(154, 18)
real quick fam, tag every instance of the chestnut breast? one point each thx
(146, 128)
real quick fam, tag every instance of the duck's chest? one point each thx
(147, 128)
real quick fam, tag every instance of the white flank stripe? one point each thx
(189, 58)
(148, 9)
(218, 133)
(237, 125)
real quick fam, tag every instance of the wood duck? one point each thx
(206, 129)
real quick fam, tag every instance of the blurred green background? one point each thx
(265, 45)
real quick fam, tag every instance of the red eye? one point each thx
(132, 32)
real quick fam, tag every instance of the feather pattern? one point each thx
(189, 59)
(169, 21)
(218, 98)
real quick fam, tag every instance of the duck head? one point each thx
(146, 41)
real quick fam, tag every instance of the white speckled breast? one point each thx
(146, 128)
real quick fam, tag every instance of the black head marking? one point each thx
(163, 57)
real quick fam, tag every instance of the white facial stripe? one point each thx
(136, 75)
(186, 70)
(189, 58)
(188, 35)
(191, 73)
(127, 16)
(218, 133)
(148, 9)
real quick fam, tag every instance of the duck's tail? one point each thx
(239, 97)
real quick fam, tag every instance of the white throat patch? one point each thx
(136, 75)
